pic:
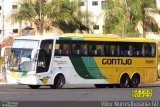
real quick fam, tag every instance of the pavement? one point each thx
(4, 81)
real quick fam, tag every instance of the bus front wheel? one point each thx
(59, 81)
(34, 86)
(124, 81)
(134, 82)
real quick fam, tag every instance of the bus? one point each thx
(101, 60)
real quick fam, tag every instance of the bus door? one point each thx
(44, 57)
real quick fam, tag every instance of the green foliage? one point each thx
(122, 16)
(68, 16)
(1, 60)
(149, 3)
(64, 14)
(24, 13)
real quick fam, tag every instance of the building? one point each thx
(7, 28)
(95, 7)
(6, 8)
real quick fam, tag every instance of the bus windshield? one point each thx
(21, 52)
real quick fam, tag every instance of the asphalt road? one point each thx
(72, 94)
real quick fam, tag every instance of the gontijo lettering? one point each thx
(110, 61)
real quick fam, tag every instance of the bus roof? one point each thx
(35, 37)
(103, 37)
(88, 37)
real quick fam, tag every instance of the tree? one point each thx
(25, 13)
(69, 18)
(122, 16)
(7, 42)
(34, 11)
(45, 14)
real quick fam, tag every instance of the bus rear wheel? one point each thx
(58, 82)
(124, 81)
(34, 86)
(134, 82)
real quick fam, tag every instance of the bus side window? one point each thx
(113, 50)
(125, 49)
(58, 51)
(84, 49)
(153, 50)
(62, 49)
(76, 49)
(94, 52)
(150, 50)
(137, 49)
(100, 49)
(96, 49)
(66, 49)
(92, 49)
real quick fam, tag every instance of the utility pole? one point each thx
(3, 32)
(87, 15)
(143, 17)
(40, 16)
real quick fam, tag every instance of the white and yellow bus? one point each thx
(102, 60)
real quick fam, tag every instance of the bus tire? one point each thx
(59, 81)
(34, 86)
(134, 82)
(100, 85)
(124, 81)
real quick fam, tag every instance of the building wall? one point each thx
(95, 8)
(5, 22)
(96, 11)
(158, 4)
(10, 29)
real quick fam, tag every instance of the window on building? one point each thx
(0, 7)
(82, 3)
(14, 6)
(0, 31)
(94, 3)
(96, 27)
(15, 30)
(103, 4)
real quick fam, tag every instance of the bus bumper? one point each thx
(30, 79)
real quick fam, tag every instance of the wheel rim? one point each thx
(135, 81)
(124, 82)
(59, 82)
